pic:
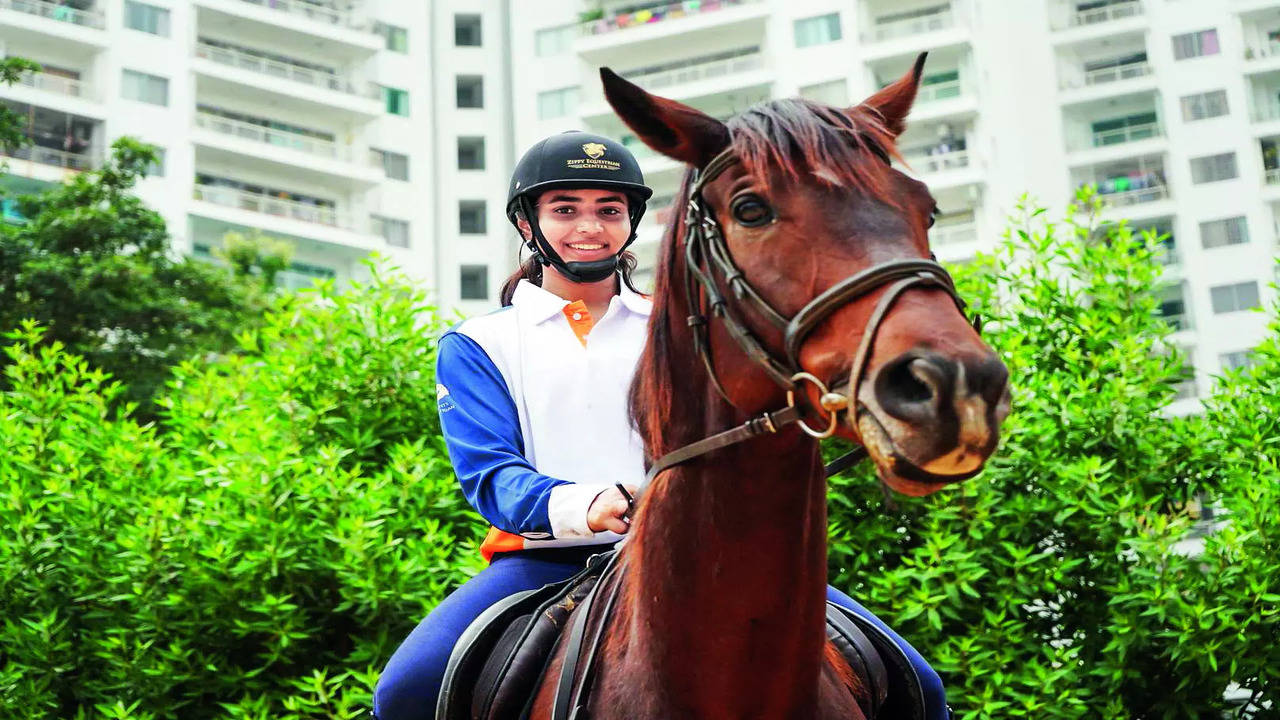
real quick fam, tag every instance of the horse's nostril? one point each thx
(910, 381)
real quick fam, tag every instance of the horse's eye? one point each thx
(751, 211)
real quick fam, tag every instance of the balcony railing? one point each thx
(56, 158)
(270, 205)
(55, 11)
(911, 26)
(656, 14)
(311, 11)
(1270, 110)
(940, 91)
(925, 161)
(953, 234)
(285, 71)
(1135, 196)
(1114, 11)
(281, 138)
(1167, 256)
(700, 71)
(1273, 176)
(1128, 133)
(52, 83)
(1115, 73)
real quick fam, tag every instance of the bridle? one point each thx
(709, 266)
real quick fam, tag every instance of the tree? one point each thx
(256, 253)
(94, 266)
(12, 125)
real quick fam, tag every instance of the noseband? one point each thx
(709, 266)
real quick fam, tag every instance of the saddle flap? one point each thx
(903, 694)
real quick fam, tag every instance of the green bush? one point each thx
(1050, 586)
(263, 554)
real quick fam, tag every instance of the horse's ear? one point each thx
(894, 101)
(673, 129)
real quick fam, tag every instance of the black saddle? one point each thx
(498, 663)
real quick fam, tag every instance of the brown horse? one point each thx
(720, 612)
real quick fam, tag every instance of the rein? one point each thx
(708, 265)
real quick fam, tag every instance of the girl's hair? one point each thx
(531, 270)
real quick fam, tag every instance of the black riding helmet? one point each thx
(575, 159)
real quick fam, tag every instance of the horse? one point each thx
(800, 278)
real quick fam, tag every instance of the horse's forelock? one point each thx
(839, 147)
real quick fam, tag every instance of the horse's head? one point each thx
(804, 198)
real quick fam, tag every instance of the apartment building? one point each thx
(333, 124)
(1171, 107)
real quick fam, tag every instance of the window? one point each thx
(1196, 44)
(1212, 168)
(1238, 359)
(145, 88)
(147, 18)
(554, 41)
(1204, 105)
(471, 217)
(396, 101)
(470, 91)
(834, 93)
(1233, 298)
(396, 38)
(395, 165)
(1219, 233)
(470, 153)
(156, 168)
(473, 282)
(557, 103)
(466, 30)
(395, 232)
(817, 30)
(1173, 307)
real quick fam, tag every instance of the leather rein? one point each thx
(709, 265)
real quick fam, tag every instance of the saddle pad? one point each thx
(503, 624)
(902, 695)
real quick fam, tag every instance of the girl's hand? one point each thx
(609, 511)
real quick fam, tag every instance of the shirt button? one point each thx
(577, 316)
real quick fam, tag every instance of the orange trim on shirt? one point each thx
(499, 541)
(580, 320)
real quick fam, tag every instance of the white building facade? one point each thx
(1172, 107)
(323, 122)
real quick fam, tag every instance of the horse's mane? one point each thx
(791, 137)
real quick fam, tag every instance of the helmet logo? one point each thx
(594, 150)
(594, 160)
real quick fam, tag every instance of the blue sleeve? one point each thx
(482, 431)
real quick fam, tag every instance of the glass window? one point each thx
(1204, 105)
(471, 217)
(1213, 168)
(1195, 44)
(147, 18)
(557, 103)
(470, 91)
(145, 88)
(817, 30)
(554, 41)
(1228, 231)
(394, 164)
(1233, 298)
(397, 101)
(470, 153)
(395, 232)
(1238, 359)
(397, 38)
(466, 30)
(833, 92)
(1173, 307)
(473, 282)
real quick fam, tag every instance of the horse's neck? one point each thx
(727, 581)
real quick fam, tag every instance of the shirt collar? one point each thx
(541, 305)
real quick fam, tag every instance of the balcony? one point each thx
(256, 73)
(955, 234)
(59, 142)
(658, 80)
(890, 32)
(941, 163)
(691, 78)
(57, 84)
(51, 157)
(1094, 13)
(261, 202)
(606, 23)
(1113, 128)
(281, 213)
(339, 31)
(94, 19)
(883, 30)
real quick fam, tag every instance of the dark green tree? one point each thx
(94, 266)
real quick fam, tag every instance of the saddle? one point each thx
(498, 662)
